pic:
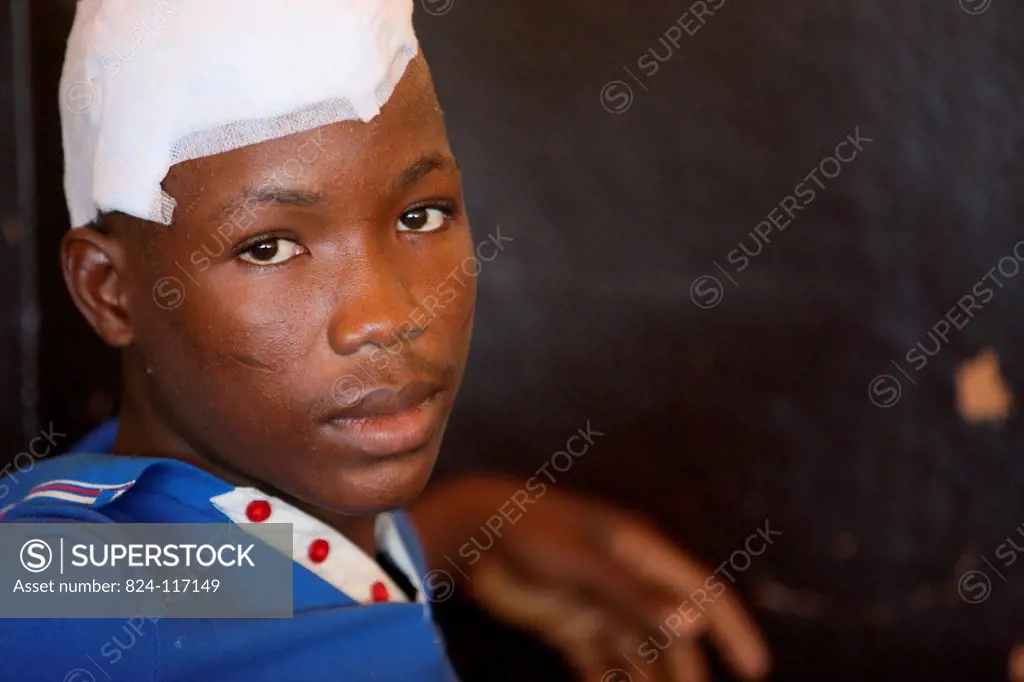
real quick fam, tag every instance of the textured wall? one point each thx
(755, 406)
(758, 407)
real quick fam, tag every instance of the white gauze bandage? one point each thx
(151, 83)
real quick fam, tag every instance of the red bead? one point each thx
(258, 510)
(379, 592)
(318, 550)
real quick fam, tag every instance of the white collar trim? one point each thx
(346, 567)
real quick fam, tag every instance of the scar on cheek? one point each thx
(251, 362)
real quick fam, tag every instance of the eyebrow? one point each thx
(271, 195)
(425, 165)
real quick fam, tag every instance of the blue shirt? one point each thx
(342, 629)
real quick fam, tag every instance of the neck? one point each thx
(142, 432)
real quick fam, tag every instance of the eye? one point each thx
(424, 219)
(273, 251)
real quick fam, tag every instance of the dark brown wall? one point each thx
(758, 407)
(79, 375)
(18, 304)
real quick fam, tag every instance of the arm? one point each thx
(592, 580)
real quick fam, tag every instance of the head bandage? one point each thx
(151, 83)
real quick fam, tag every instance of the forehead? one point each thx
(340, 157)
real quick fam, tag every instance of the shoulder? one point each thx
(72, 649)
(83, 487)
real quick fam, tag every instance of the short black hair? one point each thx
(123, 226)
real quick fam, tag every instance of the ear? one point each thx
(94, 266)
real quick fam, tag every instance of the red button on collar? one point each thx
(379, 592)
(318, 550)
(258, 510)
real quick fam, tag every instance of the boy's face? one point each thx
(306, 319)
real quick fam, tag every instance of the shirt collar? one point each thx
(324, 551)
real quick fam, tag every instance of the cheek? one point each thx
(446, 296)
(250, 330)
(238, 369)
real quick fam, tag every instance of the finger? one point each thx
(650, 554)
(523, 604)
(706, 601)
(658, 658)
(569, 625)
(630, 659)
(685, 662)
(584, 569)
(587, 660)
(588, 637)
(737, 637)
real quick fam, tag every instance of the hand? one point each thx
(603, 587)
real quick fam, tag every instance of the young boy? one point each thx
(269, 223)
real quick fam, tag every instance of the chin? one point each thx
(379, 486)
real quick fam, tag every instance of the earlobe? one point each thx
(94, 271)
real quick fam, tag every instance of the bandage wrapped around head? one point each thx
(151, 83)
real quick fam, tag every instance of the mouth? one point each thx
(386, 421)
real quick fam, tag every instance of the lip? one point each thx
(387, 421)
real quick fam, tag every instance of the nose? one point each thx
(376, 309)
